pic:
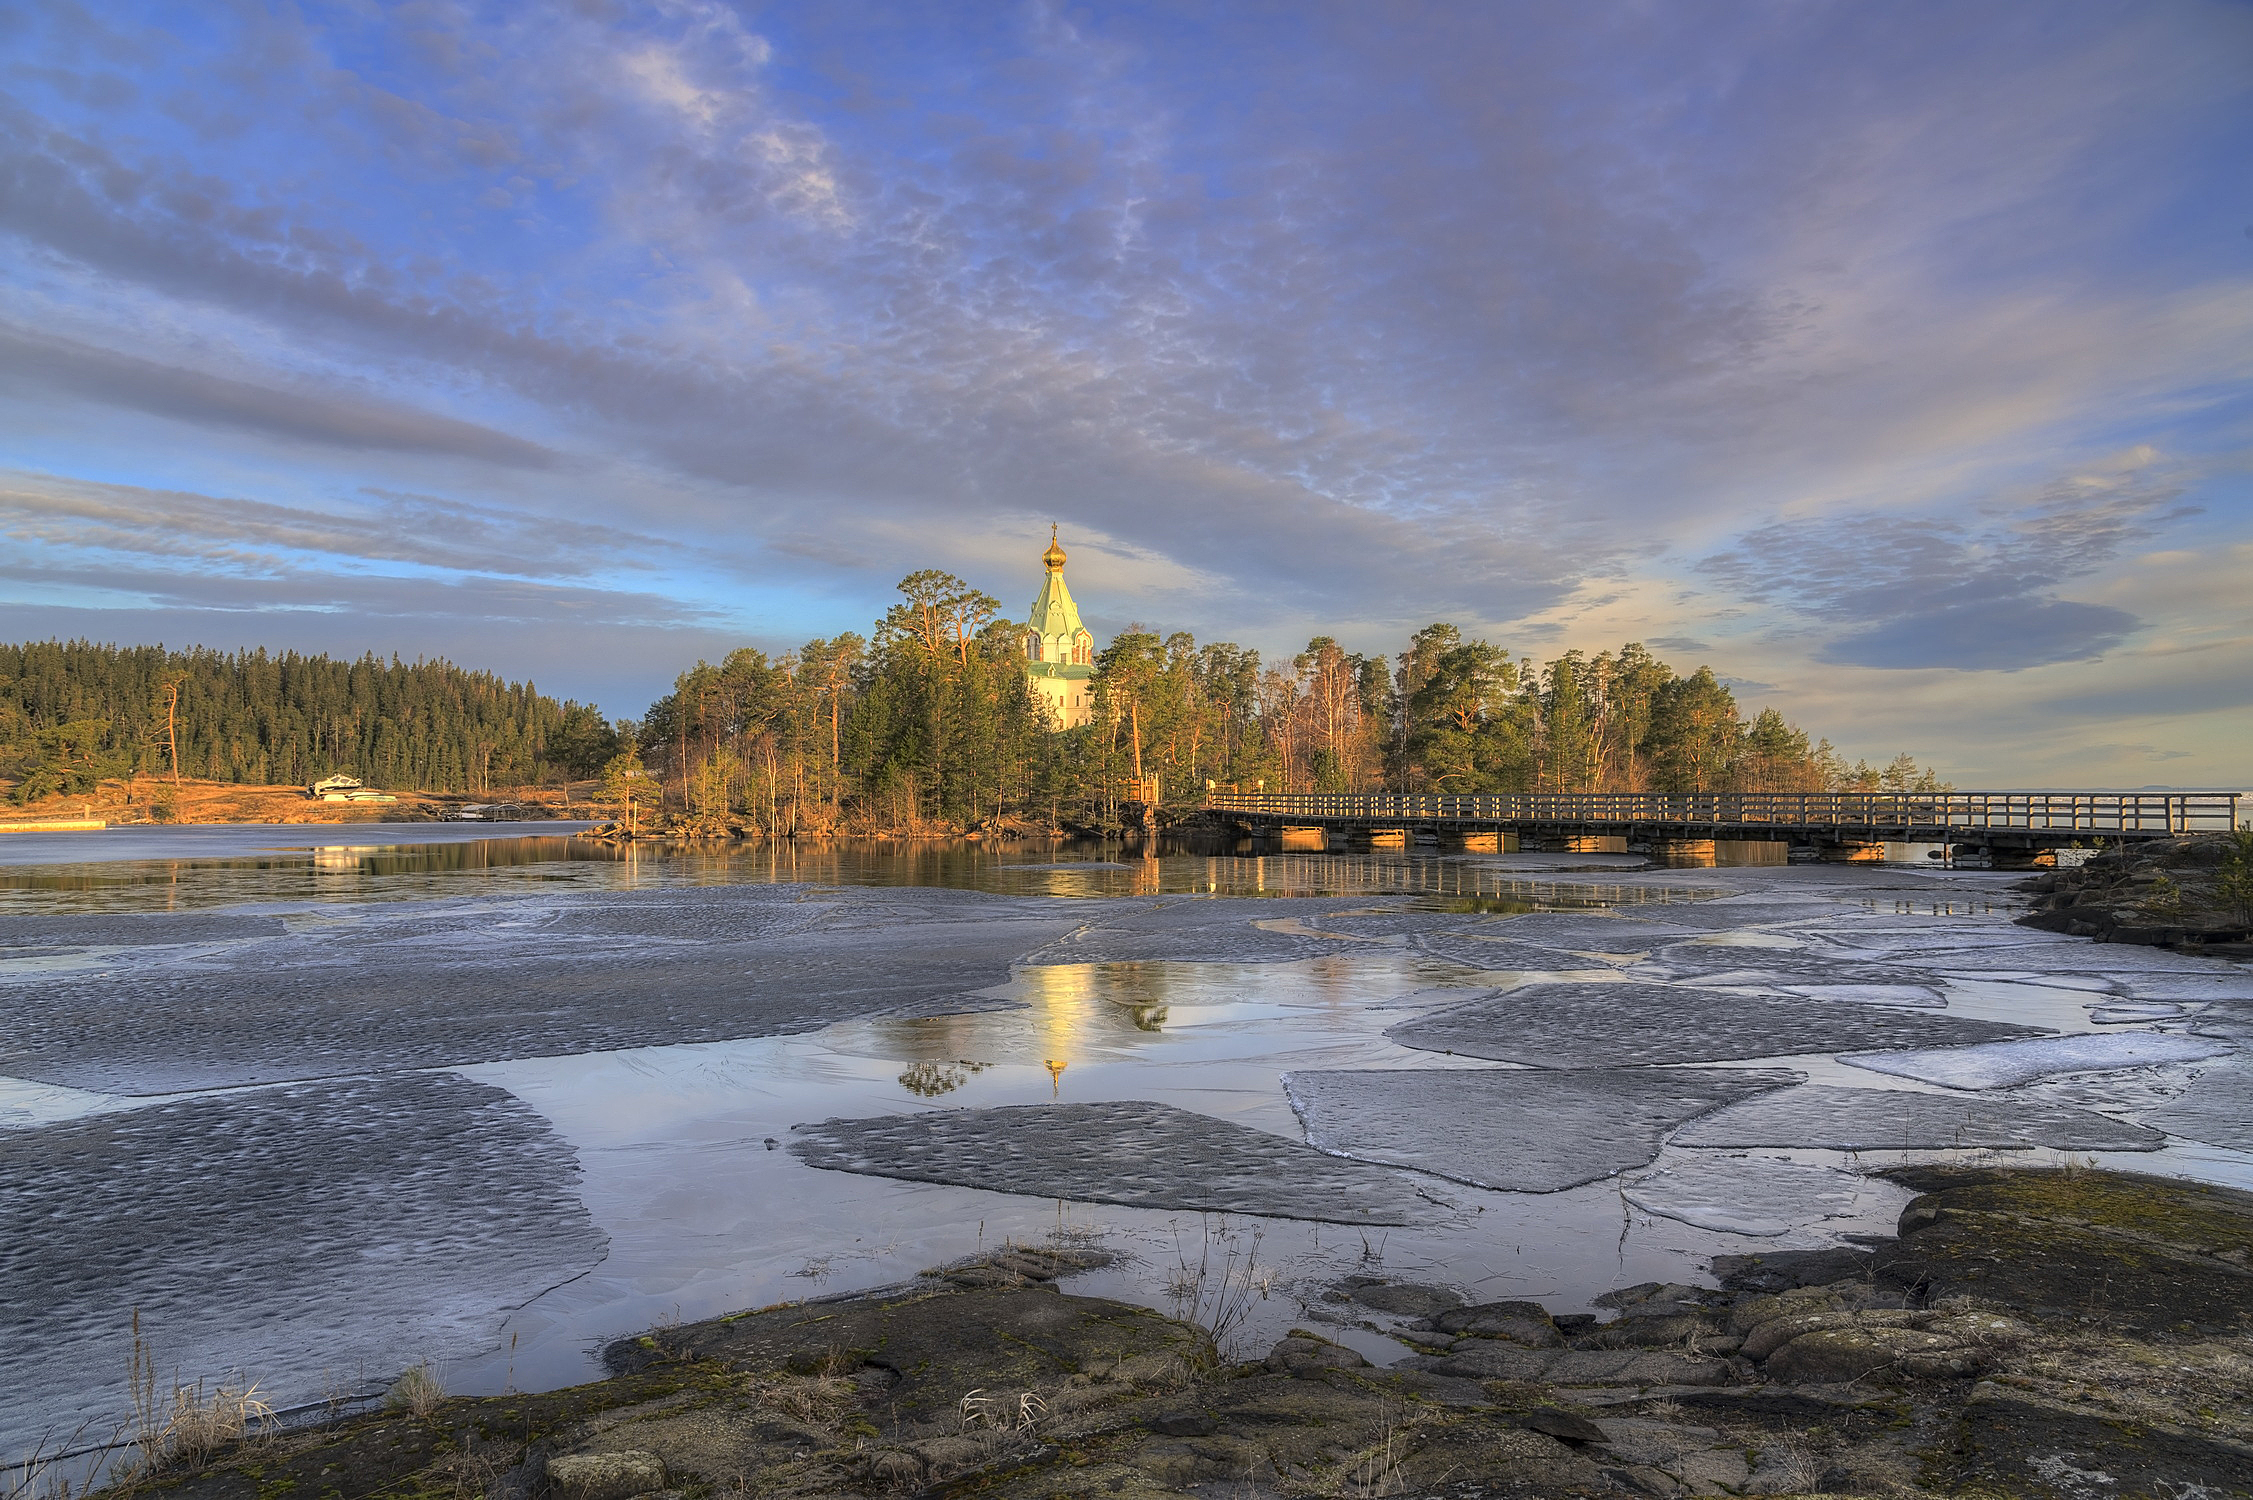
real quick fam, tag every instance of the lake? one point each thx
(322, 1103)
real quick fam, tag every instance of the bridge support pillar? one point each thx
(1478, 841)
(1995, 857)
(1302, 838)
(1850, 854)
(1386, 838)
(1577, 843)
(1682, 853)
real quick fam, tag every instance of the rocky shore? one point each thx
(2194, 893)
(2055, 1333)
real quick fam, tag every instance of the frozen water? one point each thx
(1495, 955)
(438, 985)
(1739, 1196)
(1844, 1119)
(1587, 932)
(1594, 1025)
(390, 962)
(2070, 954)
(2216, 1108)
(2135, 1010)
(2218, 983)
(1203, 930)
(2226, 1018)
(94, 929)
(25, 1104)
(1520, 1130)
(1918, 995)
(1755, 912)
(309, 1229)
(1131, 1152)
(1994, 1065)
(1704, 962)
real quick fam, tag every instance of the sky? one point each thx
(1892, 359)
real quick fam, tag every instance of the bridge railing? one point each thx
(2140, 814)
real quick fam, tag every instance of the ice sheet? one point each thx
(24, 1104)
(2071, 956)
(1595, 1025)
(93, 929)
(2135, 1010)
(1698, 962)
(1213, 930)
(1515, 1129)
(337, 1228)
(2217, 1108)
(1751, 912)
(1920, 996)
(1130, 1152)
(1585, 932)
(2225, 982)
(1752, 1196)
(1496, 955)
(1846, 1119)
(374, 987)
(1995, 1065)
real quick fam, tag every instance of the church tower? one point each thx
(1060, 652)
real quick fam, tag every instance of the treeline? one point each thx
(72, 714)
(928, 723)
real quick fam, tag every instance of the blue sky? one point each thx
(1891, 358)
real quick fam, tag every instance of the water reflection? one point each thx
(365, 871)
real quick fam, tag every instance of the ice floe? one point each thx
(1497, 955)
(2216, 1108)
(1516, 1129)
(1848, 1119)
(1130, 1152)
(1594, 1025)
(1585, 932)
(1921, 996)
(2135, 1010)
(114, 929)
(1733, 1195)
(306, 1234)
(1995, 1065)
(459, 983)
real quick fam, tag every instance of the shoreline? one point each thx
(2025, 1326)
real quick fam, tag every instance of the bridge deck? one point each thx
(2035, 819)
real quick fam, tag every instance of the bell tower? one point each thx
(1060, 654)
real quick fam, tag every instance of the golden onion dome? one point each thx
(1054, 556)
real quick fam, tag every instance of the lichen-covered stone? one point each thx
(606, 1476)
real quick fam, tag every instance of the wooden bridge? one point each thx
(2006, 827)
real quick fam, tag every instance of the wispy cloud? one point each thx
(1354, 318)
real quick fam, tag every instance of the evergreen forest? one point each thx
(924, 725)
(73, 714)
(928, 724)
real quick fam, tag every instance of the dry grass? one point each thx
(1218, 1290)
(816, 1400)
(1377, 1471)
(1800, 1467)
(183, 1425)
(1002, 1411)
(417, 1391)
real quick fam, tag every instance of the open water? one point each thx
(320, 1110)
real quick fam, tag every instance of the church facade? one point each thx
(1060, 654)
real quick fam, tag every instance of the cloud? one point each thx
(247, 536)
(1312, 322)
(1971, 595)
(31, 364)
(1999, 635)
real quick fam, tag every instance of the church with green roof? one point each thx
(1060, 652)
